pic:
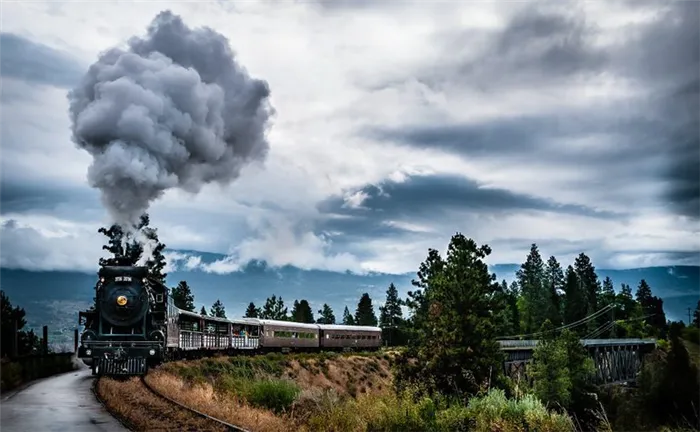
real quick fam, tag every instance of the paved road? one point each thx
(62, 403)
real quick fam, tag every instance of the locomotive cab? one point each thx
(126, 331)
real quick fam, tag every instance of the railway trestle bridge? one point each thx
(617, 361)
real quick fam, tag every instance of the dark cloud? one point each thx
(655, 136)
(31, 61)
(52, 199)
(429, 196)
(541, 43)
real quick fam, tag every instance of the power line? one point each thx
(567, 326)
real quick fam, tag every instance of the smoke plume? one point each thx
(174, 110)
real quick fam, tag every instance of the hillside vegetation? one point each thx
(333, 392)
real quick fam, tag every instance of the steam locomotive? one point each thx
(136, 325)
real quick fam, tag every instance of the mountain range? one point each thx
(53, 298)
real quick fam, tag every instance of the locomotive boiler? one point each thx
(125, 332)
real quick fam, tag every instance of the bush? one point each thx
(276, 395)
(691, 334)
(391, 413)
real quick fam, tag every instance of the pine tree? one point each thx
(574, 299)
(513, 295)
(643, 294)
(536, 297)
(347, 318)
(301, 312)
(326, 315)
(252, 311)
(607, 298)
(218, 310)
(590, 288)
(390, 314)
(182, 296)
(454, 346)
(696, 316)
(156, 264)
(274, 309)
(203, 311)
(364, 314)
(554, 283)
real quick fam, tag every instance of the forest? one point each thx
(446, 331)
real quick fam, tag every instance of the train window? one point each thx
(327, 336)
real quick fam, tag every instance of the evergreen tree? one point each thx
(513, 295)
(274, 309)
(391, 315)
(607, 298)
(504, 319)
(252, 311)
(156, 264)
(326, 315)
(554, 283)
(536, 297)
(182, 296)
(364, 314)
(454, 347)
(27, 341)
(643, 294)
(301, 312)
(654, 306)
(347, 318)
(625, 303)
(696, 315)
(218, 310)
(115, 245)
(574, 299)
(590, 288)
(203, 311)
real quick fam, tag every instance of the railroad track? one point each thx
(228, 426)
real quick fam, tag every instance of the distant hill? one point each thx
(54, 297)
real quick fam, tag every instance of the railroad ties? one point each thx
(617, 361)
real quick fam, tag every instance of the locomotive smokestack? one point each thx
(174, 110)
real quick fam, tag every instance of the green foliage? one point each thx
(550, 373)
(696, 315)
(203, 311)
(326, 315)
(407, 412)
(276, 395)
(590, 289)
(218, 310)
(691, 334)
(364, 314)
(554, 283)
(391, 318)
(453, 309)
(183, 297)
(347, 318)
(535, 293)
(574, 298)
(27, 341)
(274, 309)
(301, 312)
(252, 311)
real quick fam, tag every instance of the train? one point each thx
(135, 326)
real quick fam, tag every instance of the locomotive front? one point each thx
(126, 332)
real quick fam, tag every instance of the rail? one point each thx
(229, 426)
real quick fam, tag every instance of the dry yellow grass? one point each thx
(132, 401)
(345, 374)
(203, 398)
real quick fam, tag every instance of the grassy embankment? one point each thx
(331, 392)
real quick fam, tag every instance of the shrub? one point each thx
(276, 395)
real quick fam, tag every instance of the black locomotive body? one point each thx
(125, 333)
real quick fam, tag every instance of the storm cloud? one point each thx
(35, 62)
(175, 110)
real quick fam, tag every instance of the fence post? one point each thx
(45, 340)
(75, 341)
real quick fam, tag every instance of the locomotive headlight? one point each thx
(88, 352)
(121, 300)
(152, 352)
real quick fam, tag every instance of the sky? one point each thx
(395, 125)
